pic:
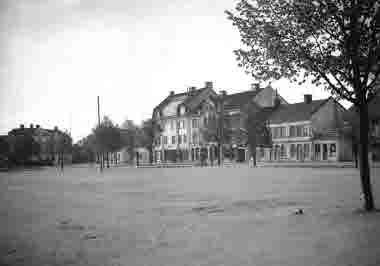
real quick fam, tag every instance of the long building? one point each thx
(184, 116)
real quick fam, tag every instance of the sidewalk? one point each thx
(313, 164)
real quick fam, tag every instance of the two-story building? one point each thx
(309, 130)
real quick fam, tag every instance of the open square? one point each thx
(187, 216)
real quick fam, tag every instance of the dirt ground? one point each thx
(187, 216)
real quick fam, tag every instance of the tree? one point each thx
(217, 130)
(63, 146)
(107, 138)
(336, 44)
(146, 135)
(256, 128)
(130, 133)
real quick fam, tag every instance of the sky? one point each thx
(57, 56)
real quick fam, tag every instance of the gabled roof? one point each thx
(189, 99)
(237, 100)
(296, 112)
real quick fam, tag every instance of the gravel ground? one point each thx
(187, 216)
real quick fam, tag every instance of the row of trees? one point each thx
(108, 137)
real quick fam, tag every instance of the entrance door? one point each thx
(241, 155)
(324, 152)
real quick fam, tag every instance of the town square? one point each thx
(171, 132)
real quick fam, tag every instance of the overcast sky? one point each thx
(56, 56)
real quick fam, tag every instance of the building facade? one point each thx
(308, 131)
(52, 143)
(181, 118)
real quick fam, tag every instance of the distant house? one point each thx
(309, 130)
(123, 156)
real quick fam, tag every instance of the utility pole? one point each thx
(100, 154)
(223, 94)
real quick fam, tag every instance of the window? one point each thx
(332, 149)
(179, 139)
(173, 139)
(184, 139)
(165, 139)
(195, 138)
(292, 150)
(306, 150)
(194, 123)
(305, 131)
(292, 131)
(299, 131)
(283, 131)
(282, 151)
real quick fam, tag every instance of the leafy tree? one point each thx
(130, 132)
(147, 134)
(256, 128)
(336, 44)
(107, 138)
(217, 130)
(63, 142)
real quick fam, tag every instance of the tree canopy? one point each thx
(336, 44)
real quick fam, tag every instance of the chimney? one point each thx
(171, 93)
(55, 128)
(31, 126)
(255, 86)
(208, 85)
(21, 126)
(308, 98)
(191, 90)
(223, 93)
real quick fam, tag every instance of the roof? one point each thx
(296, 112)
(237, 100)
(191, 100)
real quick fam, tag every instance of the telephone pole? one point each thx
(100, 154)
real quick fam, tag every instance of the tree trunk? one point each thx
(62, 161)
(364, 163)
(219, 160)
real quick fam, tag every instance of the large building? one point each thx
(184, 116)
(50, 142)
(181, 117)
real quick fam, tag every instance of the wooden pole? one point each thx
(100, 153)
